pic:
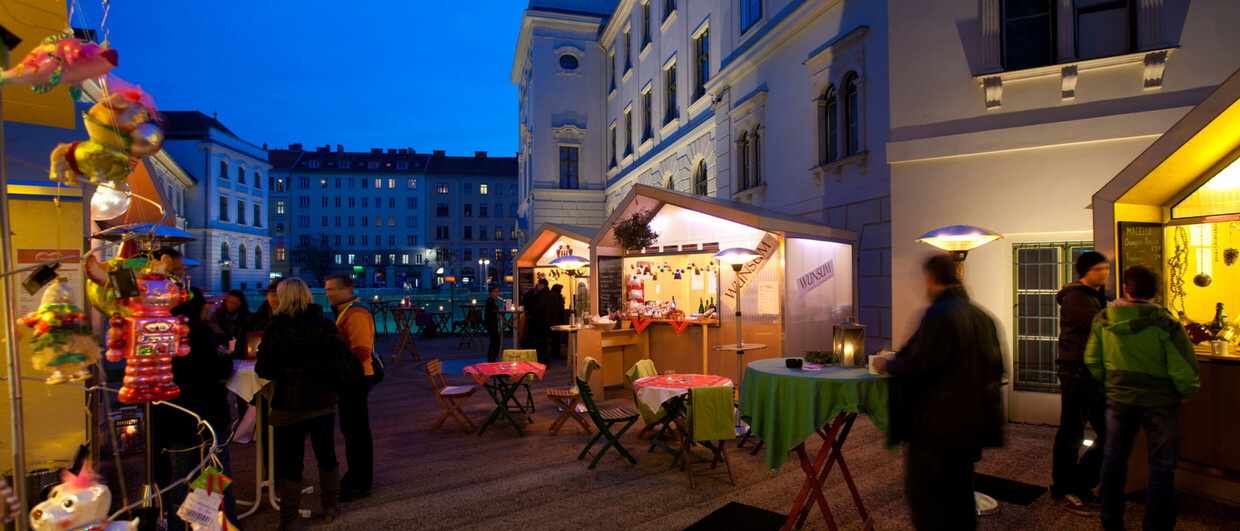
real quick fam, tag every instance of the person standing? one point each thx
(357, 328)
(297, 347)
(1081, 402)
(490, 319)
(231, 314)
(538, 320)
(555, 314)
(945, 403)
(1146, 361)
(201, 376)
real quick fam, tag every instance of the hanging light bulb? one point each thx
(108, 203)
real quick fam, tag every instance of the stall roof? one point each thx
(546, 235)
(653, 198)
(1186, 155)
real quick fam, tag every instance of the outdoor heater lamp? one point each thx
(958, 240)
(570, 263)
(737, 257)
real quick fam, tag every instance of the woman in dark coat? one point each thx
(201, 376)
(296, 353)
(231, 313)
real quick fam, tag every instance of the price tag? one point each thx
(201, 509)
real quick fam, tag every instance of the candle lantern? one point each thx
(848, 343)
(130, 430)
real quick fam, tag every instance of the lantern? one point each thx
(848, 344)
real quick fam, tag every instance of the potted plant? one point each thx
(633, 233)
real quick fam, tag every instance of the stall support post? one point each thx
(9, 292)
(149, 487)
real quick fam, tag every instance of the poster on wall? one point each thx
(815, 277)
(70, 269)
(768, 298)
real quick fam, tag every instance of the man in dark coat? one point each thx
(538, 319)
(1073, 475)
(945, 402)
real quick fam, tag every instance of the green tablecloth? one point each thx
(786, 406)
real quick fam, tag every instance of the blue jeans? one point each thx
(1162, 433)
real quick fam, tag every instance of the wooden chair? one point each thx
(567, 401)
(713, 440)
(523, 355)
(655, 420)
(604, 420)
(450, 397)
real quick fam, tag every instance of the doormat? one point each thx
(1007, 490)
(739, 516)
(457, 366)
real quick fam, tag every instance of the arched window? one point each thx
(258, 258)
(671, 183)
(241, 257)
(699, 178)
(280, 229)
(224, 251)
(744, 162)
(830, 125)
(852, 117)
(757, 157)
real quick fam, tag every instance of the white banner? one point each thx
(766, 248)
(816, 277)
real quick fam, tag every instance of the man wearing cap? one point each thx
(1073, 475)
(357, 329)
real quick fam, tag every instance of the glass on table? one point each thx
(671, 375)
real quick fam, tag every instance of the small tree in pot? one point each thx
(633, 233)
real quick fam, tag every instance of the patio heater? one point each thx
(958, 240)
(572, 266)
(738, 257)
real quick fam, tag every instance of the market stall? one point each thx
(1176, 209)
(799, 282)
(533, 261)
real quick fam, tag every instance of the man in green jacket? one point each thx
(1146, 362)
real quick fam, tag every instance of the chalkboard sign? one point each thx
(610, 273)
(1140, 244)
(525, 282)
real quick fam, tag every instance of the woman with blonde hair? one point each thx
(296, 352)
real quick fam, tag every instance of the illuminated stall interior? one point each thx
(691, 229)
(1176, 209)
(533, 261)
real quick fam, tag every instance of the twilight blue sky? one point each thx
(362, 73)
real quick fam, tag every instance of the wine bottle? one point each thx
(674, 303)
(1196, 332)
(701, 306)
(1217, 324)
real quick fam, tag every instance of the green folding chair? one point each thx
(604, 420)
(710, 425)
(523, 355)
(654, 419)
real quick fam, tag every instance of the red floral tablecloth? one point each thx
(655, 390)
(512, 369)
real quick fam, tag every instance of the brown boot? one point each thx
(290, 503)
(329, 497)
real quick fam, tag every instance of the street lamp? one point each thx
(958, 240)
(485, 265)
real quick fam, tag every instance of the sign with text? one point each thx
(816, 277)
(766, 248)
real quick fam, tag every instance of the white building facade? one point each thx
(227, 211)
(1012, 124)
(779, 104)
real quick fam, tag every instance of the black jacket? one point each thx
(948, 377)
(1078, 305)
(295, 354)
(490, 315)
(201, 377)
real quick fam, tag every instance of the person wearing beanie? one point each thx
(1073, 475)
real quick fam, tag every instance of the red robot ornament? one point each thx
(149, 338)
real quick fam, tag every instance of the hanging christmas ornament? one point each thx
(1202, 280)
(1229, 255)
(149, 338)
(60, 59)
(63, 341)
(122, 128)
(109, 203)
(77, 501)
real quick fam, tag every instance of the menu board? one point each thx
(525, 282)
(610, 283)
(1140, 244)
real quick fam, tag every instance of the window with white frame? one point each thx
(611, 147)
(699, 178)
(646, 23)
(568, 170)
(852, 114)
(669, 93)
(750, 13)
(628, 131)
(830, 149)
(647, 115)
(701, 62)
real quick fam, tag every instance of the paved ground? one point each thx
(454, 480)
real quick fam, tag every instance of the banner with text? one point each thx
(766, 248)
(816, 277)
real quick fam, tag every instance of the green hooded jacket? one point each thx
(1142, 355)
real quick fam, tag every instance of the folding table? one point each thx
(505, 379)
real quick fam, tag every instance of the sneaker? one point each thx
(1074, 505)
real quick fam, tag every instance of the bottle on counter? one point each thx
(701, 306)
(1196, 332)
(1218, 323)
(674, 303)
